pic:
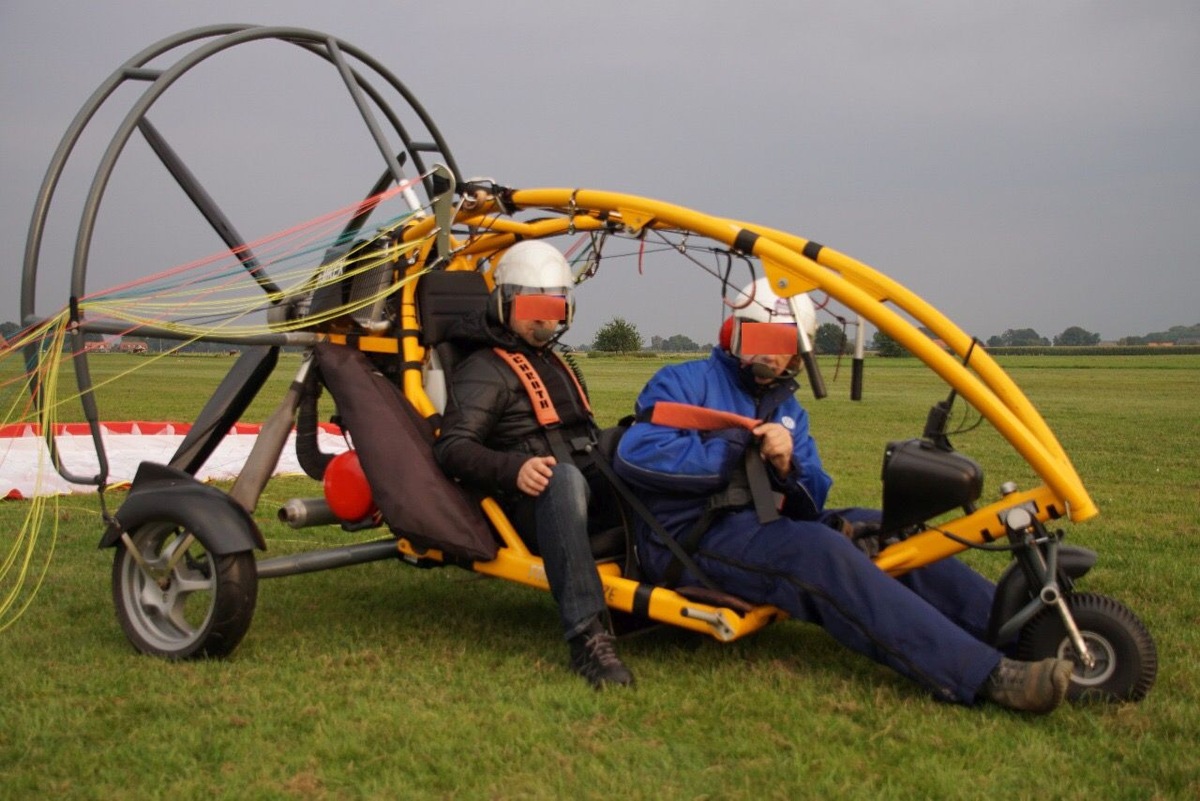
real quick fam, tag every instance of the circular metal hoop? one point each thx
(350, 62)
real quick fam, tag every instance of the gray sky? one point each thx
(1018, 164)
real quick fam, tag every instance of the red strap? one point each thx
(701, 418)
(543, 407)
(539, 396)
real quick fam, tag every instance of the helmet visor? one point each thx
(539, 307)
(768, 339)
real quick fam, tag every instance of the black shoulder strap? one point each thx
(756, 467)
(760, 485)
(635, 503)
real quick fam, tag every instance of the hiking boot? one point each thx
(594, 656)
(1036, 687)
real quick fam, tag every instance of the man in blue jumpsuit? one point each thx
(928, 625)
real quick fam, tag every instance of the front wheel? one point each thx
(1125, 659)
(178, 600)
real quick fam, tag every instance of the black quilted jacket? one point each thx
(489, 429)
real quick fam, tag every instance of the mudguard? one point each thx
(160, 492)
(1013, 589)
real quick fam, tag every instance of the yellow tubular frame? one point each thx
(855, 285)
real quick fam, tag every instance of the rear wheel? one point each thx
(1125, 659)
(178, 600)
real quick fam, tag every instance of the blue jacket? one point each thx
(676, 470)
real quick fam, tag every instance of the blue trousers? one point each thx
(561, 518)
(928, 625)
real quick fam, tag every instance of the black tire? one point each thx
(199, 607)
(1126, 661)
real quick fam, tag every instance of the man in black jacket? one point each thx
(529, 455)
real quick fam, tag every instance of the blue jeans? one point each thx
(561, 517)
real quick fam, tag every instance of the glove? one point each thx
(864, 534)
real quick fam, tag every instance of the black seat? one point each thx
(444, 296)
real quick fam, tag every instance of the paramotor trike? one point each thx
(185, 576)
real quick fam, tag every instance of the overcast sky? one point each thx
(1019, 165)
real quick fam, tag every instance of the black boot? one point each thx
(594, 656)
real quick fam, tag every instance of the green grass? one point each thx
(383, 681)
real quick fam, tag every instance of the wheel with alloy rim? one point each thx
(1124, 658)
(178, 600)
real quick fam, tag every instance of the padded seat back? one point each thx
(444, 296)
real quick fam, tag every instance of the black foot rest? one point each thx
(704, 595)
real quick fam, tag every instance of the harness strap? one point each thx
(686, 415)
(750, 486)
(539, 396)
(579, 390)
(564, 449)
(765, 503)
(683, 549)
(760, 486)
(682, 558)
(543, 405)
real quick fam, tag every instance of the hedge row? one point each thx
(612, 354)
(1029, 350)
(1096, 350)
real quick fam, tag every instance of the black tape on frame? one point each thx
(744, 241)
(641, 600)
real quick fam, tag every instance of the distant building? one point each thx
(134, 346)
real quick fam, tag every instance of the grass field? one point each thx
(384, 681)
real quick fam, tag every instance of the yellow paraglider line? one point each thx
(20, 559)
(146, 303)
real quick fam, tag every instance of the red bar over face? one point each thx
(539, 307)
(768, 339)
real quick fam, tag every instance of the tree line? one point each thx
(1074, 336)
(619, 335)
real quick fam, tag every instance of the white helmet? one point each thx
(757, 303)
(532, 268)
